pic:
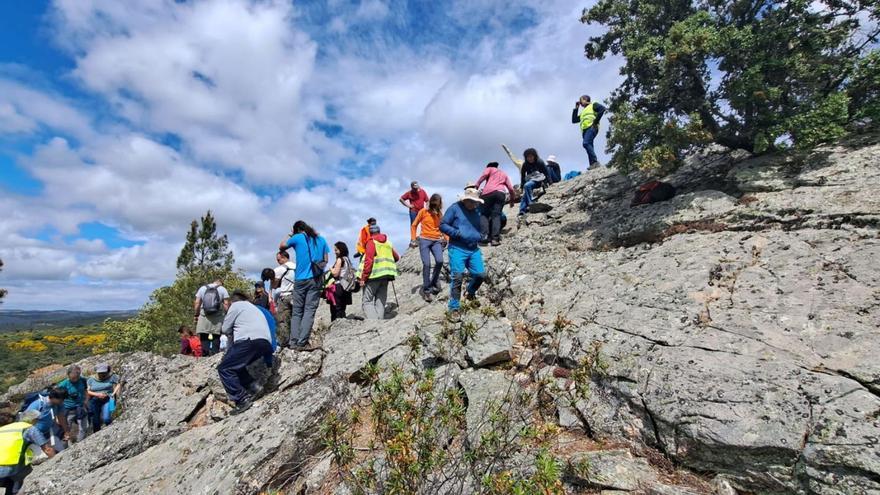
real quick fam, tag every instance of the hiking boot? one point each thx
(454, 316)
(484, 242)
(495, 242)
(255, 389)
(425, 295)
(241, 406)
(435, 290)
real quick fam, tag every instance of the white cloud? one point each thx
(214, 104)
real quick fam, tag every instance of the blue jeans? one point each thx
(428, 248)
(527, 196)
(412, 218)
(589, 135)
(100, 412)
(460, 260)
(306, 297)
(233, 367)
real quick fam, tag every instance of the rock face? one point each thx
(732, 330)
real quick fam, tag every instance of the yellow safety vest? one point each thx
(12, 444)
(587, 116)
(383, 263)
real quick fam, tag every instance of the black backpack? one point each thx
(211, 301)
(653, 192)
(31, 397)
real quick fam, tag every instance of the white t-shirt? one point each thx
(287, 274)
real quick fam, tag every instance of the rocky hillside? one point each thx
(724, 341)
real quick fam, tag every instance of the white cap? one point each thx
(552, 158)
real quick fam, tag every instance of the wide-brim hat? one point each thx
(471, 195)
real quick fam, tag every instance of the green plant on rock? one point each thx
(591, 366)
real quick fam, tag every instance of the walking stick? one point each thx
(393, 288)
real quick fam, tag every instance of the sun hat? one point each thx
(552, 158)
(471, 194)
(102, 368)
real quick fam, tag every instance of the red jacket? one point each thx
(370, 254)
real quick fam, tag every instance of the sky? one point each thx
(122, 121)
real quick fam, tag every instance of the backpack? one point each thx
(31, 398)
(211, 302)
(195, 343)
(653, 192)
(348, 280)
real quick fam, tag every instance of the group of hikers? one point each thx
(50, 419)
(247, 329)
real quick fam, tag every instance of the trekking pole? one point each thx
(397, 301)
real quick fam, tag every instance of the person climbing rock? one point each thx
(52, 422)
(587, 114)
(75, 405)
(208, 308)
(103, 391)
(532, 174)
(16, 455)
(554, 170)
(190, 345)
(493, 195)
(312, 255)
(261, 298)
(377, 269)
(430, 242)
(462, 224)
(284, 281)
(363, 237)
(414, 199)
(338, 294)
(248, 328)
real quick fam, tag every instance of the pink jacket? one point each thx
(496, 180)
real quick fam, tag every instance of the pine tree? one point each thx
(757, 75)
(204, 250)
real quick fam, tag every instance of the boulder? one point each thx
(611, 469)
(351, 344)
(489, 392)
(491, 343)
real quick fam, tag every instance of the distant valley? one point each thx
(14, 320)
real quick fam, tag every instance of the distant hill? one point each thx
(13, 319)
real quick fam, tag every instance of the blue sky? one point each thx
(121, 121)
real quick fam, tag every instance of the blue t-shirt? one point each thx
(302, 245)
(47, 414)
(76, 392)
(103, 387)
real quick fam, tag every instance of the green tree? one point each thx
(205, 250)
(2, 291)
(756, 75)
(205, 257)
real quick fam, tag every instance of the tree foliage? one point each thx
(205, 257)
(204, 249)
(756, 75)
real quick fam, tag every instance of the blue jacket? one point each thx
(462, 226)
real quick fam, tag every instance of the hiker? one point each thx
(261, 298)
(75, 405)
(588, 118)
(268, 275)
(312, 254)
(103, 391)
(284, 282)
(430, 242)
(208, 308)
(493, 196)
(338, 294)
(364, 237)
(248, 329)
(190, 345)
(414, 199)
(462, 224)
(273, 334)
(554, 170)
(16, 455)
(52, 421)
(378, 267)
(532, 174)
